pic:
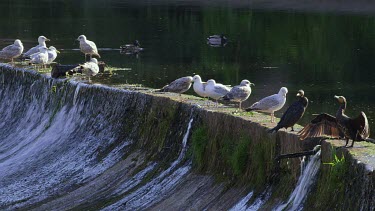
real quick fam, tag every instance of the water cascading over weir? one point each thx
(70, 146)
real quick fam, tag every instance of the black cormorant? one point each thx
(293, 113)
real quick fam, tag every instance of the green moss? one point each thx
(157, 123)
(330, 190)
(199, 142)
(240, 156)
(261, 162)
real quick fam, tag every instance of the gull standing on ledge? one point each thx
(179, 85)
(239, 93)
(42, 43)
(271, 103)
(199, 86)
(90, 68)
(12, 51)
(41, 57)
(52, 54)
(215, 90)
(87, 47)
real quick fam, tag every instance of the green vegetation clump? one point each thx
(240, 156)
(233, 154)
(199, 142)
(331, 186)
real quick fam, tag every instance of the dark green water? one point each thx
(323, 53)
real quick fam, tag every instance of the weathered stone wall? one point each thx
(231, 152)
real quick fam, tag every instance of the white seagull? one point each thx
(90, 68)
(12, 51)
(41, 57)
(240, 92)
(42, 43)
(215, 90)
(52, 54)
(199, 86)
(87, 46)
(271, 103)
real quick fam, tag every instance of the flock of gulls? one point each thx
(41, 55)
(338, 126)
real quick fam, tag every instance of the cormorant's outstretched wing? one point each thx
(322, 124)
(360, 124)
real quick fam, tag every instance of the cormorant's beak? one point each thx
(48, 39)
(252, 84)
(57, 51)
(337, 97)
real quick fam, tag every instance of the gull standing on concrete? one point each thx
(42, 43)
(12, 51)
(215, 90)
(179, 85)
(41, 57)
(87, 47)
(271, 103)
(52, 54)
(199, 86)
(239, 93)
(90, 68)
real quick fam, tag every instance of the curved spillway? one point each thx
(70, 146)
(66, 145)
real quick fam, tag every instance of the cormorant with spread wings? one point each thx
(341, 126)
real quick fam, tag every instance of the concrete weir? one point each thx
(66, 145)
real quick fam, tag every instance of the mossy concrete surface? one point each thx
(235, 146)
(231, 151)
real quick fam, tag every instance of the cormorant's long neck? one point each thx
(341, 110)
(343, 106)
(304, 101)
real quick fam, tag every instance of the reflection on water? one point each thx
(325, 54)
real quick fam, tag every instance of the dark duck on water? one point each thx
(340, 126)
(293, 113)
(217, 40)
(131, 48)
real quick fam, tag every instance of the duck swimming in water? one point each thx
(293, 113)
(131, 48)
(217, 40)
(356, 129)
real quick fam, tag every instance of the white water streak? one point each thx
(153, 191)
(305, 181)
(76, 92)
(242, 205)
